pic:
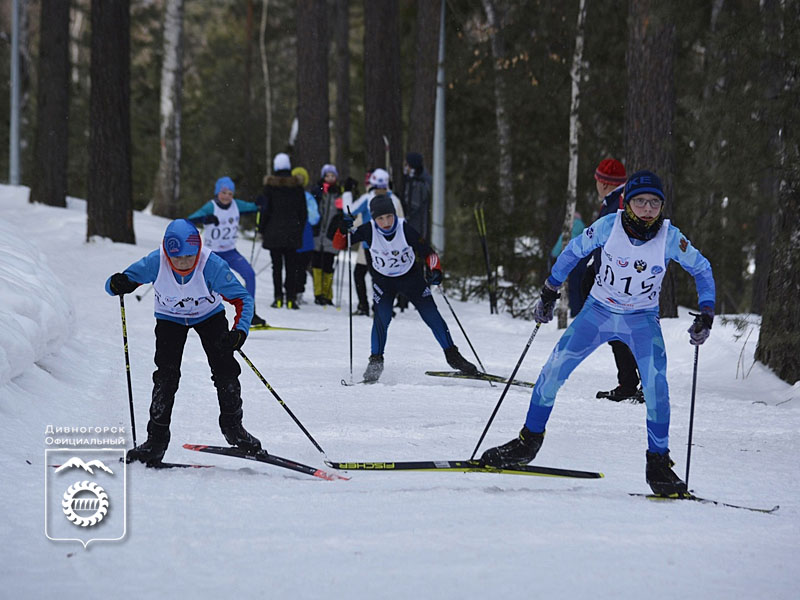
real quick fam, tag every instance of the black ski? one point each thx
(479, 377)
(694, 498)
(163, 465)
(463, 466)
(265, 458)
(273, 328)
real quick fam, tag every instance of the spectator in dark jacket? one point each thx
(283, 217)
(417, 193)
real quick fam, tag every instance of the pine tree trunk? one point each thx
(166, 194)
(342, 35)
(494, 17)
(262, 45)
(109, 204)
(779, 340)
(423, 94)
(769, 180)
(650, 108)
(312, 149)
(576, 74)
(382, 91)
(49, 184)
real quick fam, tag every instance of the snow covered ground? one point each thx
(251, 530)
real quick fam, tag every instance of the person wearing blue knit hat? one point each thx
(189, 284)
(637, 245)
(220, 220)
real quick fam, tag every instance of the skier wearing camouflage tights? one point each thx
(637, 244)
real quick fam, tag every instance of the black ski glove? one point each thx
(210, 220)
(121, 285)
(346, 224)
(701, 328)
(543, 311)
(232, 340)
(433, 276)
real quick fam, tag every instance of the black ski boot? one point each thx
(517, 452)
(152, 451)
(230, 417)
(257, 321)
(620, 394)
(458, 362)
(278, 302)
(660, 476)
(362, 310)
(374, 368)
(236, 435)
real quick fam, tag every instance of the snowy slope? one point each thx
(251, 529)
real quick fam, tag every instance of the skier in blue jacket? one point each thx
(189, 284)
(220, 220)
(637, 244)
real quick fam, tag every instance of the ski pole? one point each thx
(127, 364)
(350, 298)
(480, 221)
(255, 237)
(691, 410)
(508, 385)
(139, 297)
(282, 403)
(466, 337)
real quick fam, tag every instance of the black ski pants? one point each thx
(225, 370)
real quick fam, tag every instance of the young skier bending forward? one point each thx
(394, 246)
(637, 244)
(190, 282)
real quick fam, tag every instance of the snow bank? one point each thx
(36, 314)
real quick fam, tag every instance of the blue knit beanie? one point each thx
(328, 169)
(224, 182)
(643, 182)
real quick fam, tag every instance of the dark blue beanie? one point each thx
(414, 160)
(643, 182)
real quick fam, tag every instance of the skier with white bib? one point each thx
(394, 246)
(189, 284)
(220, 220)
(637, 244)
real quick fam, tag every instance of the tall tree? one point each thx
(109, 204)
(342, 37)
(262, 46)
(382, 91)
(576, 75)
(166, 195)
(49, 184)
(650, 108)
(768, 182)
(494, 17)
(312, 148)
(423, 92)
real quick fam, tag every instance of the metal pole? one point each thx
(13, 140)
(438, 216)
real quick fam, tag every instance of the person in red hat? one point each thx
(610, 181)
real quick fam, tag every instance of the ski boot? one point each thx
(458, 362)
(257, 321)
(660, 476)
(362, 310)
(293, 304)
(620, 394)
(152, 451)
(517, 452)
(374, 368)
(236, 435)
(278, 302)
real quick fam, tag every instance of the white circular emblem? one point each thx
(87, 509)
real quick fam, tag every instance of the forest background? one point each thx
(705, 93)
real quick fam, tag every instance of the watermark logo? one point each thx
(85, 494)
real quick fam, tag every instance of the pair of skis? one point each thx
(462, 466)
